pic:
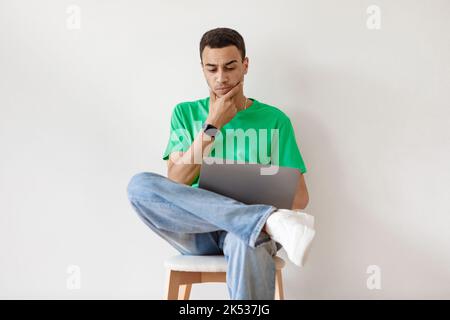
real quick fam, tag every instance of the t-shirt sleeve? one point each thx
(179, 137)
(289, 153)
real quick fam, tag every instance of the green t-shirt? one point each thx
(251, 136)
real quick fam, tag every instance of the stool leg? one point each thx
(279, 292)
(173, 285)
(185, 291)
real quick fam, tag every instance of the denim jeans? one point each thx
(200, 222)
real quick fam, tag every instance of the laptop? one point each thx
(250, 183)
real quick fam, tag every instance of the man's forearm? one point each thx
(301, 198)
(300, 202)
(187, 167)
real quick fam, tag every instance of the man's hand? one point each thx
(223, 109)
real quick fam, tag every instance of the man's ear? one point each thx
(245, 63)
(203, 70)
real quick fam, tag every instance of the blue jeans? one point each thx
(200, 222)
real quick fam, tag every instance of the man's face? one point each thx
(223, 68)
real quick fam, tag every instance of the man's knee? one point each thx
(140, 183)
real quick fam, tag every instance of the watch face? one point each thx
(210, 130)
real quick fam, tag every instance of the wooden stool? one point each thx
(185, 270)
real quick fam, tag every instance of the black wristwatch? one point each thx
(210, 130)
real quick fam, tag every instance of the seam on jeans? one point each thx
(169, 204)
(257, 230)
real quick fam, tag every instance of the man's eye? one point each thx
(214, 70)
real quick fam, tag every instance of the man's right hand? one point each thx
(223, 109)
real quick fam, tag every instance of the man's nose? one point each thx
(221, 77)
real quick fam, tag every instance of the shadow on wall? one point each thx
(349, 236)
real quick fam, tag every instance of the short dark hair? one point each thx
(220, 38)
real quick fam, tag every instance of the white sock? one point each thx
(294, 231)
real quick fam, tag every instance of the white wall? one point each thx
(82, 110)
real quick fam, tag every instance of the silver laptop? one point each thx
(251, 183)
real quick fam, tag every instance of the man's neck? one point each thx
(242, 103)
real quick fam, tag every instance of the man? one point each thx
(200, 222)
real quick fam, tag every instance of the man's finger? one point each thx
(230, 94)
(212, 95)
